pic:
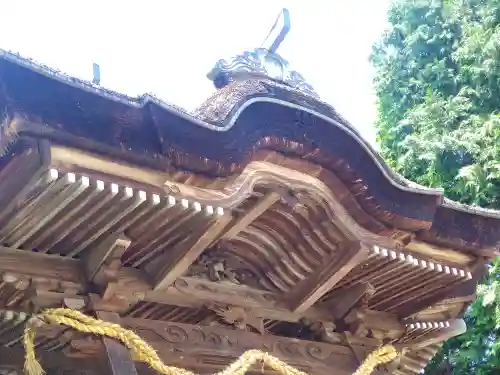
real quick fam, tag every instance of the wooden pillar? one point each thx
(118, 357)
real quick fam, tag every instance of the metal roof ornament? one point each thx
(262, 62)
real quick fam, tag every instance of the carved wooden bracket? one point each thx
(342, 301)
(239, 318)
(102, 267)
(103, 262)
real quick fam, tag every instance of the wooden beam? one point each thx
(334, 269)
(194, 292)
(441, 254)
(31, 264)
(205, 342)
(119, 359)
(263, 204)
(187, 252)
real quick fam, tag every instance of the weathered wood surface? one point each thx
(417, 339)
(69, 278)
(213, 347)
(40, 267)
(253, 213)
(172, 267)
(333, 269)
(117, 355)
(265, 168)
(18, 176)
(134, 243)
(190, 340)
(163, 266)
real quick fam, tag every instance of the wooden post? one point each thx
(118, 357)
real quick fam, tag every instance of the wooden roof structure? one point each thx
(260, 220)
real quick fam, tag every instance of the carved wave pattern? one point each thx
(231, 343)
(283, 246)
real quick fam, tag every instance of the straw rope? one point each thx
(144, 352)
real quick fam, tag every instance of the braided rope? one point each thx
(144, 352)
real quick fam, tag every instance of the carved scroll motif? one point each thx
(192, 340)
(175, 334)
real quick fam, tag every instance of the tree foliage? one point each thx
(438, 87)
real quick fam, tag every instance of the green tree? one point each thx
(438, 87)
(412, 60)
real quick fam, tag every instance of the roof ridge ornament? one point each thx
(262, 62)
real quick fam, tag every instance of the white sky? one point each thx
(167, 47)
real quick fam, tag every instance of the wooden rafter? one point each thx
(31, 264)
(439, 293)
(262, 205)
(187, 252)
(71, 159)
(454, 328)
(331, 272)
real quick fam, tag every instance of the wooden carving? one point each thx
(191, 340)
(326, 332)
(239, 318)
(212, 267)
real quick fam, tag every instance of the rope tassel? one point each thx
(145, 353)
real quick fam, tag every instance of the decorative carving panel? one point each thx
(192, 340)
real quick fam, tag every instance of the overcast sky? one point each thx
(167, 47)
